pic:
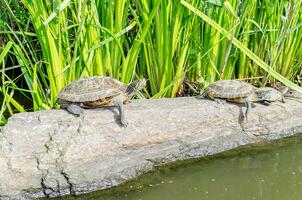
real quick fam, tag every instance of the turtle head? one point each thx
(259, 95)
(136, 86)
(263, 95)
(268, 94)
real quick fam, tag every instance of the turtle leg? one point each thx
(118, 101)
(283, 92)
(202, 95)
(127, 100)
(282, 99)
(248, 106)
(75, 108)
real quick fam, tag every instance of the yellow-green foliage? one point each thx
(45, 45)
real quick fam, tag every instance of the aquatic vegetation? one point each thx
(44, 45)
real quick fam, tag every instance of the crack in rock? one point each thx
(54, 178)
(66, 176)
(59, 150)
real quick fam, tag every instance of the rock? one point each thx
(53, 153)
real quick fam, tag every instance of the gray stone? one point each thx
(53, 153)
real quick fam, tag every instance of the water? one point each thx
(268, 172)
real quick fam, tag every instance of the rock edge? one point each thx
(53, 153)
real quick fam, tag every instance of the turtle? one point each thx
(234, 91)
(272, 94)
(98, 91)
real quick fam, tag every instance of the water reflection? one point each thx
(274, 173)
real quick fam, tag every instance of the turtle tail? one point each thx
(202, 95)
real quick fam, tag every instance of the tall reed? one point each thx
(45, 45)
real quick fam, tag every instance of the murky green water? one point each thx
(270, 172)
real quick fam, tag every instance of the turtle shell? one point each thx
(229, 89)
(92, 89)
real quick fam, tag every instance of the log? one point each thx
(54, 153)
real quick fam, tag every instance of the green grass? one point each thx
(270, 70)
(45, 45)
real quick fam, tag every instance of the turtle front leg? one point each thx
(248, 106)
(75, 108)
(283, 92)
(118, 101)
